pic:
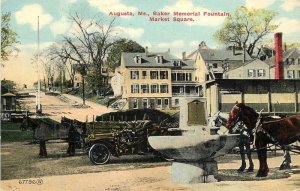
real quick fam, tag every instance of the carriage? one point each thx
(126, 133)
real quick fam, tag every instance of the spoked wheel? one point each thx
(99, 154)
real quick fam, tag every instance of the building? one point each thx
(156, 80)
(213, 64)
(291, 63)
(77, 70)
(253, 69)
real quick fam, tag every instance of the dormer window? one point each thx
(138, 59)
(159, 59)
(176, 63)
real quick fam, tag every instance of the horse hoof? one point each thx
(284, 167)
(240, 170)
(250, 169)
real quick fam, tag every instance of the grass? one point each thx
(16, 135)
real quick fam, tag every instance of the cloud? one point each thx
(290, 5)
(28, 14)
(60, 27)
(188, 6)
(174, 44)
(132, 32)
(288, 26)
(259, 4)
(111, 6)
(194, 43)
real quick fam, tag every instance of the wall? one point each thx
(274, 96)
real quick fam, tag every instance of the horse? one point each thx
(218, 119)
(46, 129)
(76, 135)
(221, 119)
(280, 132)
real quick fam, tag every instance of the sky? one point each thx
(158, 36)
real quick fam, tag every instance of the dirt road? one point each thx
(67, 105)
(149, 176)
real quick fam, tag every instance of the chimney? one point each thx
(184, 56)
(278, 56)
(146, 50)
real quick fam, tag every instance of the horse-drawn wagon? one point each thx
(125, 133)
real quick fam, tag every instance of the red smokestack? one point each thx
(278, 56)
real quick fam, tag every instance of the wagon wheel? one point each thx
(99, 154)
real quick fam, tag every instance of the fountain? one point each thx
(194, 151)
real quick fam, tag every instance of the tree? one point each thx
(245, 28)
(8, 86)
(8, 37)
(119, 46)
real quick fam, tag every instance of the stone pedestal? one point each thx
(194, 172)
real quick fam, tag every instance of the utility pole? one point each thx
(38, 104)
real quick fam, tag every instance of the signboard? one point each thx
(6, 116)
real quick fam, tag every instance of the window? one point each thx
(166, 103)
(159, 59)
(154, 88)
(163, 74)
(145, 88)
(180, 76)
(138, 59)
(176, 101)
(164, 89)
(176, 63)
(145, 103)
(154, 74)
(298, 61)
(261, 73)
(134, 74)
(152, 103)
(159, 103)
(290, 74)
(188, 77)
(135, 103)
(298, 74)
(251, 73)
(144, 74)
(135, 88)
(173, 77)
(290, 61)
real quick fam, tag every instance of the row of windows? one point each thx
(181, 76)
(256, 73)
(150, 103)
(292, 61)
(291, 74)
(153, 74)
(144, 88)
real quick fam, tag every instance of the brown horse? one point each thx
(238, 124)
(279, 132)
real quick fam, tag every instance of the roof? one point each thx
(221, 55)
(290, 53)
(8, 95)
(149, 60)
(247, 63)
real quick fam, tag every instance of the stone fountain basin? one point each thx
(194, 146)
